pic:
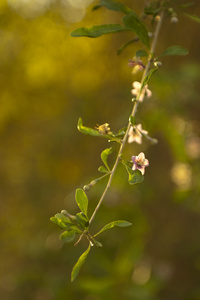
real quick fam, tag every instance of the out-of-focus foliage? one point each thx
(47, 81)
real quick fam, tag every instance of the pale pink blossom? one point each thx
(136, 91)
(140, 162)
(135, 134)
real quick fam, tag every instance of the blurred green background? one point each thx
(47, 81)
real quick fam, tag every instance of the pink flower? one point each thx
(135, 134)
(140, 162)
(136, 91)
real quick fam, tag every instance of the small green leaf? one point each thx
(185, 5)
(141, 53)
(87, 130)
(119, 223)
(132, 22)
(79, 264)
(134, 176)
(116, 6)
(102, 169)
(151, 11)
(193, 17)
(147, 77)
(119, 51)
(94, 132)
(67, 236)
(82, 200)
(97, 30)
(96, 7)
(132, 120)
(82, 220)
(97, 243)
(175, 50)
(62, 221)
(104, 156)
(122, 131)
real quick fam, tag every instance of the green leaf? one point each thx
(122, 131)
(132, 22)
(193, 17)
(97, 243)
(119, 223)
(147, 77)
(79, 264)
(134, 176)
(116, 6)
(94, 132)
(175, 50)
(82, 220)
(102, 169)
(185, 5)
(87, 130)
(104, 156)
(97, 30)
(119, 51)
(141, 53)
(62, 221)
(82, 200)
(132, 120)
(96, 7)
(67, 236)
(151, 10)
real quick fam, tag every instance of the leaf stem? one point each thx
(134, 110)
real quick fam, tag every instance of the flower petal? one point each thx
(133, 159)
(138, 139)
(146, 163)
(141, 156)
(148, 93)
(134, 92)
(134, 167)
(136, 85)
(142, 170)
(131, 139)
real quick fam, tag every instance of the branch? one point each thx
(134, 110)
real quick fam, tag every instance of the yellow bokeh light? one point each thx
(29, 8)
(142, 273)
(181, 175)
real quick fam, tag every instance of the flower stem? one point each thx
(134, 110)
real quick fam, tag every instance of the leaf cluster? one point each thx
(79, 224)
(130, 22)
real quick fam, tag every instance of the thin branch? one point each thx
(135, 105)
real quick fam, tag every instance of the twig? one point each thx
(134, 110)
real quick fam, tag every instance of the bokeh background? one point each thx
(47, 81)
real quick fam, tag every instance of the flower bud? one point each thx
(157, 18)
(157, 64)
(174, 20)
(86, 187)
(150, 34)
(170, 10)
(93, 182)
(64, 212)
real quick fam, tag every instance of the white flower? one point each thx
(136, 91)
(135, 134)
(140, 162)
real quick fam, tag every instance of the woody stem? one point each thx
(134, 110)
